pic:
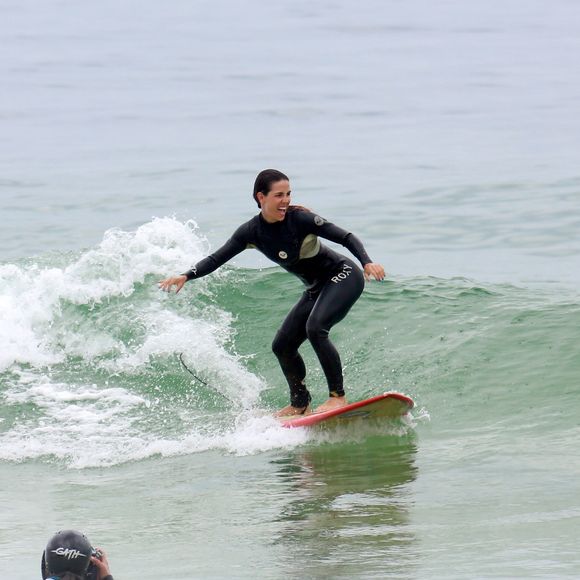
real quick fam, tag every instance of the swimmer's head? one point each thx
(67, 551)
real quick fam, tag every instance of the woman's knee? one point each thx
(281, 346)
(315, 330)
(278, 345)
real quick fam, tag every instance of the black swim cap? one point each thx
(67, 551)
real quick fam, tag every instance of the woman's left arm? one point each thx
(334, 233)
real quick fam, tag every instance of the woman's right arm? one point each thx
(236, 244)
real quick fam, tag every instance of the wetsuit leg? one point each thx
(333, 303)
(288, 339)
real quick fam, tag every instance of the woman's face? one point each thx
(275, 203)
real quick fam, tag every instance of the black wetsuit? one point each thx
(333, 284)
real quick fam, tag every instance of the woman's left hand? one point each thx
(375, 271)
(168, 283)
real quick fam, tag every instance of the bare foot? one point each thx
(331, 403)
(290, 411)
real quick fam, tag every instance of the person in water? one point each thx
(70, 556)
(289, 236)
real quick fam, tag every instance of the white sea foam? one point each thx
(87, 426)
(82, 425)
(202, 341)
(32, 297)
(83, 311)
(248, 435)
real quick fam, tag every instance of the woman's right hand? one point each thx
(168, 283)
(102, 564)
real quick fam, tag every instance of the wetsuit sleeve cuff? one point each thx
(352, 243)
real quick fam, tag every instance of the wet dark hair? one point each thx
(264, 181)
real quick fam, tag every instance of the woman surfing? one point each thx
(288, 235)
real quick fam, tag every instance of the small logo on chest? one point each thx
(282, 254)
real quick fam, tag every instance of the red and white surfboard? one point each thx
(386, 406)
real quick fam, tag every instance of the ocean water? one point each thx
(446, 135)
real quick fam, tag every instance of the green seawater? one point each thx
(445, 135)
(117, 430)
